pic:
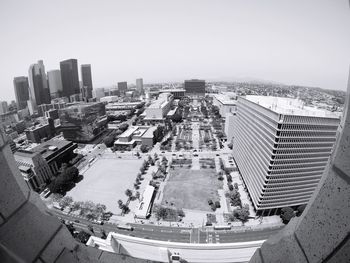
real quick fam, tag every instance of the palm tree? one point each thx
(128, 193)
(137, 195)
(120, 203)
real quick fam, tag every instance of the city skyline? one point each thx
(174, 41)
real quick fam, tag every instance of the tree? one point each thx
(66, 201)
(137, 195)
(83, 237)
(91, 228)
(123, 127)
(128, 193)
(287, 213)
(161, 213)
(109, 141)
(176, 118)
(103, 234)
(242, 214)
(76, 205)
(230, 145)
(144, 148)
(300, 209)
(120, 203)
(236, 186)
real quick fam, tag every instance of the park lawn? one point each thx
(105, 182)
(191, 189)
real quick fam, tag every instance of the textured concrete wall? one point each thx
(321, 234)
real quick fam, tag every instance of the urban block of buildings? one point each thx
(83, 122)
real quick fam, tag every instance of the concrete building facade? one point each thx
(281, 149)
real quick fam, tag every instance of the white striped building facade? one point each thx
(281, 157)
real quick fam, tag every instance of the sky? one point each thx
(301, 42)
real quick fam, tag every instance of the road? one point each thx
(174, 234)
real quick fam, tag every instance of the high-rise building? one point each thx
(55, 83)
(70, 77)
(38, 87)
(122, 87)
(195, 87)
(139, 85)
(21, 87)
(3, 107)
(281, 148)
(86, 79)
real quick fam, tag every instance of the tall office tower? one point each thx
(38, 88)
(195, 87)
(21, 87)
(139, 85)
(55, 83)
(281, 148)
(3, 107)
(70, 77)
(122, 87)
(86, 79)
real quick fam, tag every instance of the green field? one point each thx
(191, 189)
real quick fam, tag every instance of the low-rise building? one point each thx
(159, 108)
(226, 102)
(136, 135)
(144, 208)
(40, 163)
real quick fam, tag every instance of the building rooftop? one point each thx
(46, 149)
(227, 98)
(128, 132)
(149, 132)
(289, 106)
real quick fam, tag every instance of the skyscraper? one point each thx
(3, 107)
(86, 80)
(70, 77)
(21, 87)
(122, 87)
(38, 88)
(281, 148)
(139, 85)
(55, 83)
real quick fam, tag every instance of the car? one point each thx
(174, 154)
(195, 155)
(163, 152)
(76, 221)
(217, 154)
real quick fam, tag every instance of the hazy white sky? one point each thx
(294, 42)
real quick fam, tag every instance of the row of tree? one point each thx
(65, 181)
